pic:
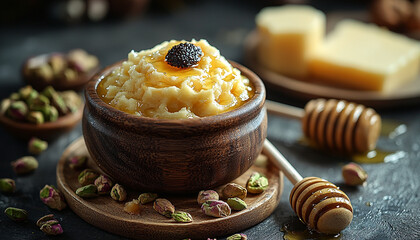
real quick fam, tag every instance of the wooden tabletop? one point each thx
(387, 207)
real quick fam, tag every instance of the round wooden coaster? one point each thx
(107, 214)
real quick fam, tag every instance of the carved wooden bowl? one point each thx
(174, 156)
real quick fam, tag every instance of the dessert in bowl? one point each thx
(176, 118)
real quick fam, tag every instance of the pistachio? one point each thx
(16, 214)
(236, 203)
(118, 193)
(52, 197)
(216, 208)
(145, 198)
(354, 174)
(44, 219)
(232, 190)
(206, 195)
(25, 92)
(82, 61)
(104, 184)
(238, 236)
(58, 63)
(69, 75)
(72, 100)
(88, 191)
(257, 183)
(38, 103)
(37, 146)
(48, 92)
(51, 114)
(77, 162)
(183, 217)
(35, 117)
(17, 110)
(132, 207)
(87, 176)
(5, 104)
(52, 227)
(58, 102)
(7, 185)
(15, 96)
(25, 165)
(164, 207)
(31, 97)
(45, 72)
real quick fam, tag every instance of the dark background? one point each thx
(33, 27)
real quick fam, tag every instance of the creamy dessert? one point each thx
(289, 35)
(176, 80)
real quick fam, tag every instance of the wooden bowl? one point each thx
(46, 131)
(174, 156)
(58, 84)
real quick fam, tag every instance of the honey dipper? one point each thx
(335, 124)
(317, 202)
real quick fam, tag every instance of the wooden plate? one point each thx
(107, 214)
(408, 94)
(47, 131)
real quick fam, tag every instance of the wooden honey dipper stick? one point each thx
(335, 124)
(317, 202)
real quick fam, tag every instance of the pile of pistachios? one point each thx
(233, 194)
(60, 67)
(29, 105)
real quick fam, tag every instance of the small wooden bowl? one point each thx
(174, 156)
(59, 85)
(46, 131)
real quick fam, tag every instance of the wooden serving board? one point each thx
(107, 214)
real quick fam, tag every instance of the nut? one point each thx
(354, 174)
(104, 184)
(77, 162)
(232, 190)
(25, 165)
(183, 217)
(238, 236)
(52, 227)
(44, 219)
(16, 214)
(257, 183)
(17, 110)
(216, 208)
(35, 117)
(88, 191)
(204, 196)
(7, 185)
(37, 146)
(147, 197)
(236, 203)
(52, 197)
(118, 193)
(164, 207)
(87, 176)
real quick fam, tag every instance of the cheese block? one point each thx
(365, 57)
(288, 37)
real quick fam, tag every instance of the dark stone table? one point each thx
(388, 207)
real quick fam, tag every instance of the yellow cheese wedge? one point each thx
(365, 57)
(288, 37)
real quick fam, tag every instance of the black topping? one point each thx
(184, 55)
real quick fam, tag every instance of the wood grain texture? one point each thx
(47, 131)
(163, 155)
(58, 84)
(107, 214)
(307, 89)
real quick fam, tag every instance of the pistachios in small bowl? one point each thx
(45, 114)
(63, 71)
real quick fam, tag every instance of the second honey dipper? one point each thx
(335, 124)
(317, 202)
